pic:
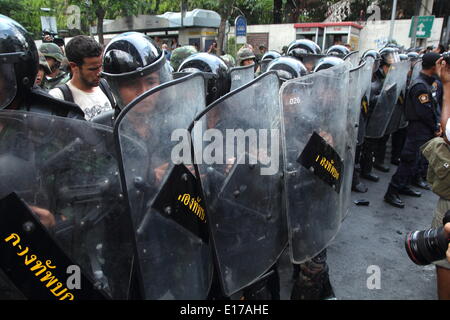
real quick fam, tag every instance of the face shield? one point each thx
(127, 86)
(8, 83)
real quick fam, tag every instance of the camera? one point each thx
(446, 56)
(426, 246)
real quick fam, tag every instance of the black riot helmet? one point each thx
(338, 51)
(300, 47)
(403, 57)
(267, 58)
(328, 62)
(287, 68)
(372, 54)
(132, 65)
(19, 61)
(270, 55)
(413, 56)
(389, 56)
(214, 69)
(306, 51)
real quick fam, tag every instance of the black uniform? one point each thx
(421, 113)
(371, 146)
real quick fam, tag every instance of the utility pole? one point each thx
(416, 20)
(394, 10)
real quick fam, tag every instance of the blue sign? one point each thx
(241, 26)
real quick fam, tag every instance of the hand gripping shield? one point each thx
(241, 76)
(385, 106)
(314, 142)
(166, 205)
(237, 147)
(66, 171)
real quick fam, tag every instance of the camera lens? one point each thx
(427, 246)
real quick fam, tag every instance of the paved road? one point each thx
(374, 236)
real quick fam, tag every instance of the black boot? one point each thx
(421, 183)
(357, 185)
(370, 176)
(380, 166)
(393, 198)
(409, 192)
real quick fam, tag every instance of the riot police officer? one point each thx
(214, 69)
(267, 58)
(377, 147)
(19, 63)
(287, 68)
(312, 280)
(132, 65)
(338, 51)
(423, 125)
(357, 184)
(307, 51)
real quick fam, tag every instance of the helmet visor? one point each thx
(8, 86)
(127, 88)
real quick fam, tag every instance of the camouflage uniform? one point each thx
(51, 50)
(244, 53)
(179, 54)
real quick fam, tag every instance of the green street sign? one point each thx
(424, 26)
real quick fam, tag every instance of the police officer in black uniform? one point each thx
(376, 147)
(19, 64)
(423, 125)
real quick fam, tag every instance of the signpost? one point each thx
(423, 28)
(240, 26)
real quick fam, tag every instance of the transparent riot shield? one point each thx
(386, 103)
(66, 171)
(366, 81)
(397, 120)
(237, 148)
(314, 142)
(166, 205)
(417, 68)
(359, 80)
(241, 76)
(353, 58)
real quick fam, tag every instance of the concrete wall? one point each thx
(280, 35)
(374, 35)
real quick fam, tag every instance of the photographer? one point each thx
(438, 153)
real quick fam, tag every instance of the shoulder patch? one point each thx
(424, 98)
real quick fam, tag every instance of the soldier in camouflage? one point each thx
(179, 54)
(54, 56)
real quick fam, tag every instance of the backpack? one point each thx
(67, 93)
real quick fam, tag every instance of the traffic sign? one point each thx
(424, 26)
(241, 26)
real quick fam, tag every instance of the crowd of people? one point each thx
(85, 81)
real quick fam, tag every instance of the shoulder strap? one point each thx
(104, 86)
(67, 93)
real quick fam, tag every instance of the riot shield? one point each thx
(314, 142)
(359, 80)
(67, 173)
(165, 202)
(366, 81)
(241, 76)
(353, 57)
(398, 115)
(237, 146)
(385, 106)
(417, 68)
